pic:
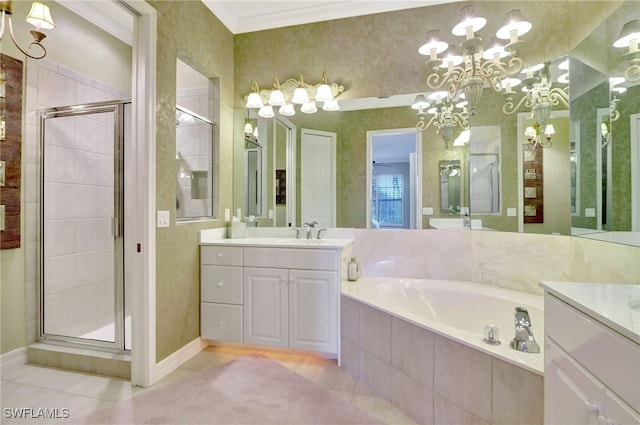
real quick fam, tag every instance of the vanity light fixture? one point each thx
(540, 97)
(469, 72)
(39, 16)
(446, 115)
(630, 37)
(294, 92)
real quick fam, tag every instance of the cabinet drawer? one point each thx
(221, 284)
(221, 255)
(221, 322)
(591, 344)
(291, 258)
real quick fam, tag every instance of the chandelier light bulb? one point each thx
(266, 111)
(433, 45)
(629, 35)
(40, 16)
(309, 108)
(420, 102)
(470, 23)
(515, 25)
(331, 106)
(287, 110)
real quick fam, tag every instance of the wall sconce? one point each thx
(534, 137)
(39, 16)
(629, 37)
(468, 73)
(445, 117)
(294, 92)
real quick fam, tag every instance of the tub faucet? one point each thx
(524, 340)
(308, 227)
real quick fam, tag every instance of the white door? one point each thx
(313, 310)
(265, 306)
(318, 177)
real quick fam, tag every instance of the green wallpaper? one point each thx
(186, 29)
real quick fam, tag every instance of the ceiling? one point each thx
(241, 16)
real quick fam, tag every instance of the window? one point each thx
(387, 200)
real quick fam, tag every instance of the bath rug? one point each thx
(249, 390)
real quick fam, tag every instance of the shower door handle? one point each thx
(115, 227)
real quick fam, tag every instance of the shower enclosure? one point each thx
(85, 188)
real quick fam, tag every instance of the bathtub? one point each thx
(457, 310)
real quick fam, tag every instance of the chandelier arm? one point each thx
(632, 74)
(544, 143)
(513, 66)
(509, 107)
(44, 51)
(615, 114)
(436, 81)
(557, 96)
(421, 126)
(458, 119)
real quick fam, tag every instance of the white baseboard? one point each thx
(176, 359)
(14, 357)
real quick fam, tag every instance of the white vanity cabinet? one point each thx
(592, 370)
(221, 293)
(263, 293)
(292, 307)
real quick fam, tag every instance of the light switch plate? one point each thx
(427, 211)
(512, 212)
(589, 212)
(270, 215)
(163, 218)
(227, 214)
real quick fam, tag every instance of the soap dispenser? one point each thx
(353, 269)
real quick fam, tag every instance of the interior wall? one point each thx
(188, 30)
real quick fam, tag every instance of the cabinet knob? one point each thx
(604, 421)
(220, 284)
(220, 255)
(220, 323)
(592, 408)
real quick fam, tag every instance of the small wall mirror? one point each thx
(450, 186)
(195, 144)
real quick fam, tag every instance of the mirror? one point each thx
(351, 124)
(605, 109)
(450, 186)
(195, 144)
(254, 158)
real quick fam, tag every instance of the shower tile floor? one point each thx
(30, 386)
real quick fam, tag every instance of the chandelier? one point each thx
(469, 72)
(39, 16)
(630, 37)
(294, 92)
(540, 97)
(446, 115)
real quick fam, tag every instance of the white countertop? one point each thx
(329, 243)
(615, 305)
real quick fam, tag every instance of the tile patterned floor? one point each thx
(30, 386)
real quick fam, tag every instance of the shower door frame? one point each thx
(117, 107)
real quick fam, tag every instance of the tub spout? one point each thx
(524, 339)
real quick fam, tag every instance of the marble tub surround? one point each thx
(432, 378)
(515, 261)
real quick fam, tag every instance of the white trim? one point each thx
(14, 357)
(177, 358)
(143, 325)
(634, 125)
(601, 112)
(574, 134)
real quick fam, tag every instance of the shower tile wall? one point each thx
(193, 154)
(82, 155)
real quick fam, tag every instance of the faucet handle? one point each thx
(297, 233)
(320, 233)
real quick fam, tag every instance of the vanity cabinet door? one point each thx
(265, 306)
(313, 310)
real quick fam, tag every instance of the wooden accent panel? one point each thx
(10, 149)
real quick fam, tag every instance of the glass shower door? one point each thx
(82, 219)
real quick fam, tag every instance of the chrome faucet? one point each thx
(524, 340)
(308, 227)
(321, 233)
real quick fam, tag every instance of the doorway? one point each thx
(83, 262)
(394, 176)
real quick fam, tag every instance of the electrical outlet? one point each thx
(589, 212)
(427, 211)
(163, 219)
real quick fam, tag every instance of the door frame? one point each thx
(416, 196)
